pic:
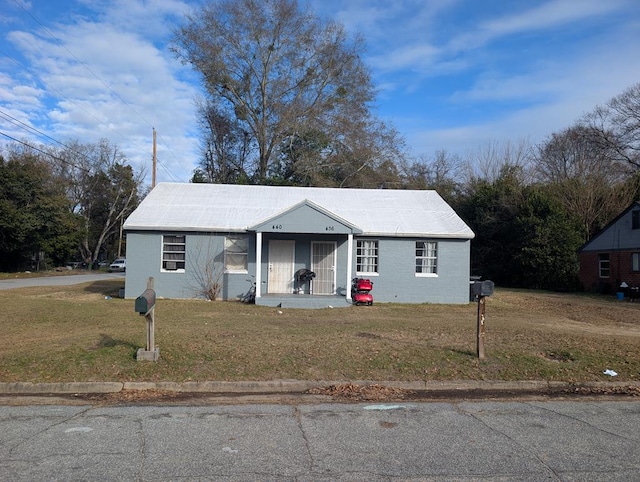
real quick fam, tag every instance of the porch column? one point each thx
(258, 263)
(349, 264)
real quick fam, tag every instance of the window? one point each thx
(635, 219)
(173, 253)
(635, 261)
(603, 265)
(235, 253)
(426, 257)
(366, 256)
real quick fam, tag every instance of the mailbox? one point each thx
(145, 301)
(483, 288)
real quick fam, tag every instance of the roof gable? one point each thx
(618, 234)
(306, 217)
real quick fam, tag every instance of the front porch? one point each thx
(303, 301)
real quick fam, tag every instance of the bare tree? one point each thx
(489, 161)
(225, 145)
(279, 70)
(616, 126)
(584, 175)
(102, 188)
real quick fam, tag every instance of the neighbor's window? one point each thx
(235, 253)
(366, 256)
(635, 261)
(603, 265)
(173, 252)
(635, 219)
(426, 257)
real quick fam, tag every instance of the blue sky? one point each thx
(458, 75)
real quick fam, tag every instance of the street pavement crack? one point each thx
(585, 422)
(142, 446)
(49, 427)
(298, 417)
(526, 449)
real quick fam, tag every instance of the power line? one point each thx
(169, 173)
(45, 153)
(22, 125)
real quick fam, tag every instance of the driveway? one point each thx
(74, 279)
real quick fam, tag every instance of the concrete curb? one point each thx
(294, 386)
(27, 388)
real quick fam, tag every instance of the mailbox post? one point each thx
(481, 289)
(145, 306)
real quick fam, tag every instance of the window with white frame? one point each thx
(604, 266)
(366, 256)
(173, 252)
(426, 258)
(635, 261)
(236, 253)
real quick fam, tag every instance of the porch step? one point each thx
(303, 301)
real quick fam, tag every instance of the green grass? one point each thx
(86, 333)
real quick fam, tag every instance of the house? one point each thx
(410, 244)
(612, 256)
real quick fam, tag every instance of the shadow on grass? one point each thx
(106, 287)
(107, 341)
(466, 353)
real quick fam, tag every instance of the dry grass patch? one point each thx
(84, 332)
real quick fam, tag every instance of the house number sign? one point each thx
(329, 228)
(276, 227)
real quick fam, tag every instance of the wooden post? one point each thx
(480, 328)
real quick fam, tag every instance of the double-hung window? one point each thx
(635, 219)
(236, 254)
(426, 258)
(604, 266)
(366, 256)
(173, 253)
(635, 261)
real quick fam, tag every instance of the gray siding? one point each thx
(144, 252)
(397, 281)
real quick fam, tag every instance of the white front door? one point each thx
(281, 257)
(323, 264)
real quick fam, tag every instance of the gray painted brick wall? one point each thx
(396, 280)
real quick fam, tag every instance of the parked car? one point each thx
(119, 264)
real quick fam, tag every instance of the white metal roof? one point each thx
(231, 207)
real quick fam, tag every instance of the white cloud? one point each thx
(104, 80)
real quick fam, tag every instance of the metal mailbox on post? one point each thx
(481, 289)
(146, 301)
(145, 305)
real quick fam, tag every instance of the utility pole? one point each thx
(153, 172)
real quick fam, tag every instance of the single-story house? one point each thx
(612, 256)
(410, 244)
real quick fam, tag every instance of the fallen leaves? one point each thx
(353, 392)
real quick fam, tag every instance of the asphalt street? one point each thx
(9, 284)
(488, 440)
